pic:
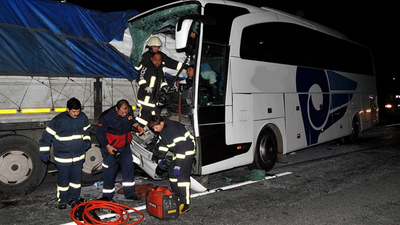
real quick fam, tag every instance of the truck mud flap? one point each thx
(145, 156)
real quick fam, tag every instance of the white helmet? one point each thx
(154, 41)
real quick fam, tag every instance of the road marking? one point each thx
(393, 125)
(215, 190)
(237, 185)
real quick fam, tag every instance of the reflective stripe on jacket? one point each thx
(67, 135)
(176, 138)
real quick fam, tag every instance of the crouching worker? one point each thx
(114, 135)
(174, 137)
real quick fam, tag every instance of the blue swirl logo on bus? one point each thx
(323, 97)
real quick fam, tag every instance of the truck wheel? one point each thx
(266, 150)
(21, 170)
(93, 163)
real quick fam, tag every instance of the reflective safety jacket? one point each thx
(150, 81)
(166, 60)
(175, 138)
(115, 130)
(67, 135)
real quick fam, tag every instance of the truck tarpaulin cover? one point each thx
(40, 37)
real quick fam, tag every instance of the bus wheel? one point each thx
(266, 150)
(92, 167)
(21, 170)
(355, 129)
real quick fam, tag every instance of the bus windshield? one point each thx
(161, 23)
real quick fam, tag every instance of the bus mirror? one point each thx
(182, 34)
(183, 27)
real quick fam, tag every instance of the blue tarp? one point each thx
(43, 37)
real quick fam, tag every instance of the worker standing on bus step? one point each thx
(151, 82)
(154, 44)
(174, 137)
(69, 132)
(114, 133)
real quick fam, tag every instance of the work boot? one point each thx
(134, 197)
(62, 205)
(183, 208)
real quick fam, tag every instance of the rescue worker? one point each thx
(114, 133)
(151, 82)
(188, 82)
(174, 137)
(154, 44)
(69, 132)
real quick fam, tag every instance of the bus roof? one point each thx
(255, 9)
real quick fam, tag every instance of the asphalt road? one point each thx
(333, 183)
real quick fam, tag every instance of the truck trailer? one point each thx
(50, 52)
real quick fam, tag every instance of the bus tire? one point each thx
(354, 134)
(266, 150)
(92, 167)
(21, 170)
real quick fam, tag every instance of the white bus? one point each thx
(283, 83)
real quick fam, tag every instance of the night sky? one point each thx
(371, 24)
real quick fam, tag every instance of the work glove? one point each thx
(148, 90)
(177, 171)
(165, 89)
(161, 165)
(45, 158)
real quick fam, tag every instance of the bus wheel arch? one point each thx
(268, 147)
(354, 130)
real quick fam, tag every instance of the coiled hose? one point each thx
(84, 211)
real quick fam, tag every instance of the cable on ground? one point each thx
(86, 211)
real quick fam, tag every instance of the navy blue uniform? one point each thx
(151, 78)
(167, 61)
(175, 138)
(67, 135)
(116, 131)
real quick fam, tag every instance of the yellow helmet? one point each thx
(154, 41)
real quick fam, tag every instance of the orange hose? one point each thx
(117, 208)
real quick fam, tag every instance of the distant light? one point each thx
(388, 106)
(394, 78)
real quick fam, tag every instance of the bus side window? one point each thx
(208, 83)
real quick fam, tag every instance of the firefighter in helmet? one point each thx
(154, 44)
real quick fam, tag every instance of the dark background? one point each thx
(372, 24)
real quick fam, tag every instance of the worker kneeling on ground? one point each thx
(174, 137)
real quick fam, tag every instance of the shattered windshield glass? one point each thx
(160, 21)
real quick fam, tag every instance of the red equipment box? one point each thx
(162, 203)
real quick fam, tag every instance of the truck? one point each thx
(50, 52)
